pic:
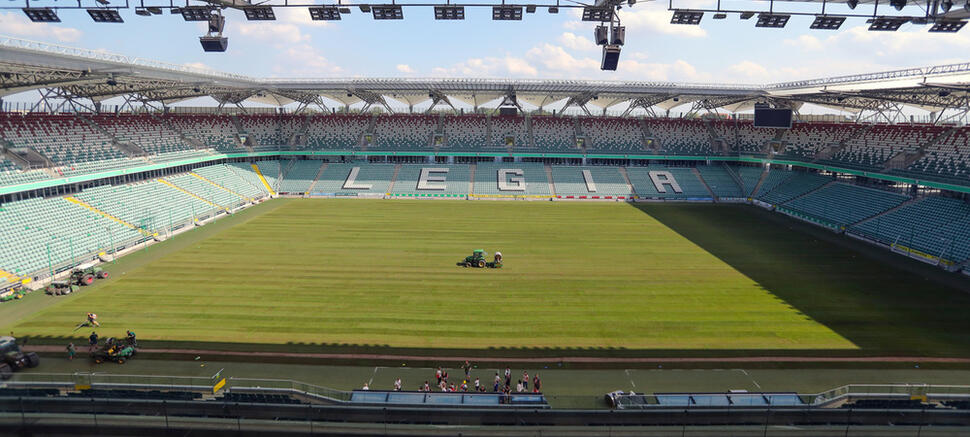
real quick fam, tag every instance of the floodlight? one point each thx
(530, 9)
(196, 13)
(214, 43)
(946, 6)
(619, 35)
(449, 12)
(365, 9)
(601, 35)
(553, 10)
(104, 2)
(886, 24)
(591, 13)
(388, 12)
(852, 3)
(42, 15)
(143, 12)
(719, 16)
(105, 16)
(324, 13)
(154, 10)
(344, 10)
(898, 4)
(611, 57)
(507, 13)
(746, 15)
(827, 22)
(259, 13)
(948, 26)
(687, 17)
(175, 11)
(966, 6)
(776, 21)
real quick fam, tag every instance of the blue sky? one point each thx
(540, 46)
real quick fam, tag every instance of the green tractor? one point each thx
(118, 351)
(12, 292)
(87, 275)
(477, 259)
(60, 288)
(13, 359)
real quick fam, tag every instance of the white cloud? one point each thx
(557, 61)
(750, 72)
(405, 68)
(805, 42)
(649, 18)
(276, 33)
(299, 16)
(575, 42)
(197, 65)
(12, 23)
(679, 71)
(489, 67)
(304, 60)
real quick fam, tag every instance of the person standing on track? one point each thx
(508, 377)
(536, 384)
(525, 380)
(467, 367)
(93, 340)
(71, 351)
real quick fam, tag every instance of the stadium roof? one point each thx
(73, 73)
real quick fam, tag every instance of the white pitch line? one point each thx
(627, 371)
(372, 376)
(750, 377)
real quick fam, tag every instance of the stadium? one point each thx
(584, 257)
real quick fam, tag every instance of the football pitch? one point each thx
(587, 278)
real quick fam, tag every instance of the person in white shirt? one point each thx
(397, 384)
(366, 386)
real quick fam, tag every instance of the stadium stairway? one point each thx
(263, 179)
(163, 181)
(86, 205)
(202, 178)
(552, 186)
(316, 178)
(757, 186)
(626, 177)
(397, 169)
(703, 182)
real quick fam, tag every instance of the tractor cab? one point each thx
(476, 259)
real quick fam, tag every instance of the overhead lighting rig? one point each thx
(507, 13)
(686, 17)
(105, 15)
(448, 12)
(827, 22)
(259, 13)
(42, 15)
(776, 21)
(388, 12)
(324, 13)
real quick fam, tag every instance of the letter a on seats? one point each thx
(590, 184)
(351, 182)
(661, 178)
(428, 181)
(510, 179)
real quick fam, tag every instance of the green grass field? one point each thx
(594, 278)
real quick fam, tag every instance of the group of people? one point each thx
(93, 339)
(502, 384)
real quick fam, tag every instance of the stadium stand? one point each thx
(487, 178)
(264, 130)
(457, 180)
(608, 181)
(467, 133)
(216, 131)
(681, 137)
(222, 176)
(720, 181)
(403, 132)
(332, 180)
(612, 135)
(936, 226)
(842, 204)
(64, 139)
(879, 143)
(148, 205)
(749, 176)
(553, 134)
(299, 175)
(772, 180)
(796, 185)
(245, 171)
(272, 172)
(691, 186)
(946, 161)
(805, 140)
(12, 176)
(336, 132)
(741, 136)
(510, 127)
(144, 131)
(29, 228)
(206, 190)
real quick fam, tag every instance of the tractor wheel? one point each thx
(5, 372)
(87, 279)
(32, 359)
(103, 275)
(481, 264)
(468, 264)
